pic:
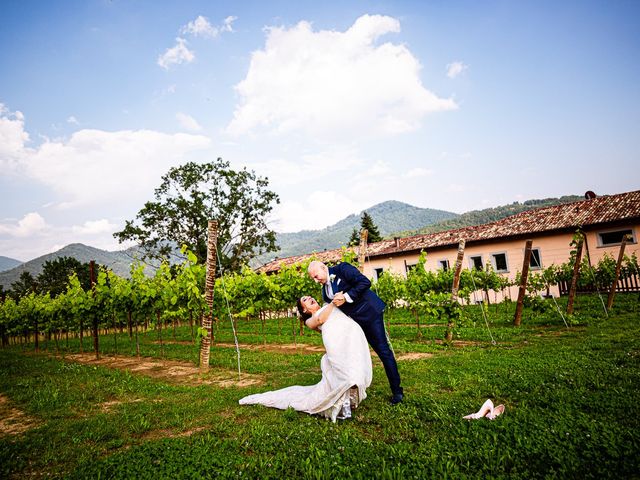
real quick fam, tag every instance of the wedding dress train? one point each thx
(346, 374)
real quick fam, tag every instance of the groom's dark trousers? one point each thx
(367, 311)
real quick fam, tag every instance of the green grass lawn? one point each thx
(571, 395)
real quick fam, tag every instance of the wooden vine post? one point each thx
(207, 317)
(614, 284)
(362, 250)
(3, 329)
(92, 277)
(454, 289)
(517, 319)
(576, 274)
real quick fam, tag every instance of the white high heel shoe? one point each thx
(486, 407)
(499, 410)
(486, 410)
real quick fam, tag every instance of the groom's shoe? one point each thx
(397, 398)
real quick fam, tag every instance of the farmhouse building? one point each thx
(605, 220)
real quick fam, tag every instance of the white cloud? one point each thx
(378, 169)
(188, 122)
(176, 55)
(418, 172)
(200, 27)
(334, 83)
(94, 227)
(126, 164)
(457, 188)
(328, 165)
(73, 120)
(320, 209)
(13, 137)
(227, 25)
(31, 224)
(455, 68)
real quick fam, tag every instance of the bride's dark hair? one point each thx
(304, 316)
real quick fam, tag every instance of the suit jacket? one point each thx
(366, 305)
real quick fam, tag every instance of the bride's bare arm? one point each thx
(320, 317)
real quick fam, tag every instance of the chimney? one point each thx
(397, 240)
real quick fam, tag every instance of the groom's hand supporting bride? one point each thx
(338, 299)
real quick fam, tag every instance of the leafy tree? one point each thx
(26, 284)
(355, 237)
(55, 275)
(373, 233)
(193, 193)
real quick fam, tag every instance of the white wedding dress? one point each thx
(346, 364)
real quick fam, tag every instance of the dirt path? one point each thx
(305, 348)
(182, 373)
(413, 356)
(185, 373)
(12, 420)
(268, 347)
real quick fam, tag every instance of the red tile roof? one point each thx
(565, 217)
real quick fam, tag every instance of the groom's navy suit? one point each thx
(366, 309)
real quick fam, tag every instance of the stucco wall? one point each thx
(554, 249)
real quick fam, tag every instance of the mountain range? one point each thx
(7, 263)
(392, 218)
(119, 261)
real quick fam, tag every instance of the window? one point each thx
(409, 267)
(614, 237)
(535, 262)
(476, 262)
(444, 265)
(378, 272)
(500, 262)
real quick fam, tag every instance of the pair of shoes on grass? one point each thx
(486, 410)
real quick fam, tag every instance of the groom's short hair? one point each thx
(316, 264)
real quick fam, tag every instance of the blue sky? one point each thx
(450, 105)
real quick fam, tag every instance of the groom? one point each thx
(349, 290)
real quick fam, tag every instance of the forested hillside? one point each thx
(487, 215)
(390, 217)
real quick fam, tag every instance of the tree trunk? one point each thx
(614, 284)
(36, 337)
(574, 278)
(159, 322)
(115, 334)
(517, 319)
(129, 325)
(92, 278)
(207, 318)
(448, 337)
(362, 250)
(137, 342)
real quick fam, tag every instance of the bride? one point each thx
(346, 367)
